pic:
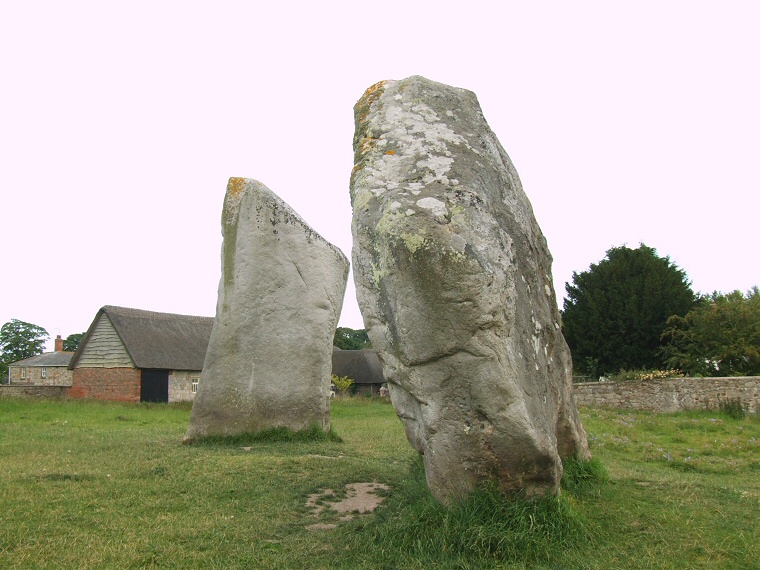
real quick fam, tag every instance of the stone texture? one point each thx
(269, 356)
(671, 394)
(453, 278)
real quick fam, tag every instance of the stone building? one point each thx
(133, 355)
(46, 369)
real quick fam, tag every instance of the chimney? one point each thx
(58, 344)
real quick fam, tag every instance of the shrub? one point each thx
(342, 383)
(630, 375)
(660, 374)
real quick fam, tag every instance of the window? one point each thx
(195, 385)
(43, 374)
(23, 372)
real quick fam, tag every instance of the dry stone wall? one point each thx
(28, 391)
(671, 395)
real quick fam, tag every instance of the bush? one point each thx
(630, 375)
(342, 383)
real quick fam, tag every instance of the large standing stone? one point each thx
(269, 357)
(453, 277)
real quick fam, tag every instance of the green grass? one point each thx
(99, 485)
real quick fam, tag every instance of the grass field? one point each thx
(99, 485)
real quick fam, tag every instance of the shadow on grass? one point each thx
(274, 435)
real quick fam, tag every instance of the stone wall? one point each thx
(670, 395)
(54, 375)
(181, 385)
(32, 391)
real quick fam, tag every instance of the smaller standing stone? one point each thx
(280, 295)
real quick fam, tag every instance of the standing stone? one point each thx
(453, 278)
(269, 358)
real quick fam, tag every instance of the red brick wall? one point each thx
(117, 384)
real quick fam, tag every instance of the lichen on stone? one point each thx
(235, 190)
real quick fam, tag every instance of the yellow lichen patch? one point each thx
(373, 88)
(235, 186)
(371, 95)
(390, 152)
(367, 144)
(413, 242)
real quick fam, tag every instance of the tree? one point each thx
(718, 337)
(19, 340)
(351, 339)
(615, 312)
(72, 341)
(342, 383)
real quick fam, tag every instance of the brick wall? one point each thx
(117, 384)
(671, 395)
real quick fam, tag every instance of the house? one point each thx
(361, 366)
(46, 369)
(133, 355)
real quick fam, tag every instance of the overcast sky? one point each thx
(120, 123)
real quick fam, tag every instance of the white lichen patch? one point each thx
(537, 345)
(418, 138)
(437, 207)
(439, 165)
(458, 243)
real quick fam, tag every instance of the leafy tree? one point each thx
(718, 337)
(72, 341)
(19, 340)
(342, 383)
(351, 339)
(615, 312)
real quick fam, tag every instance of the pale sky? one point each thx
(120, 123)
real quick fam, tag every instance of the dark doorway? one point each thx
(154, 386)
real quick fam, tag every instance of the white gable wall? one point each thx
(104, 348)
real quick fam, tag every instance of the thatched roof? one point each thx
(157, 340)
(362, 366)
(46, 359)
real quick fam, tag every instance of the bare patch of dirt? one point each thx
(321, 526)
(361, 498)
